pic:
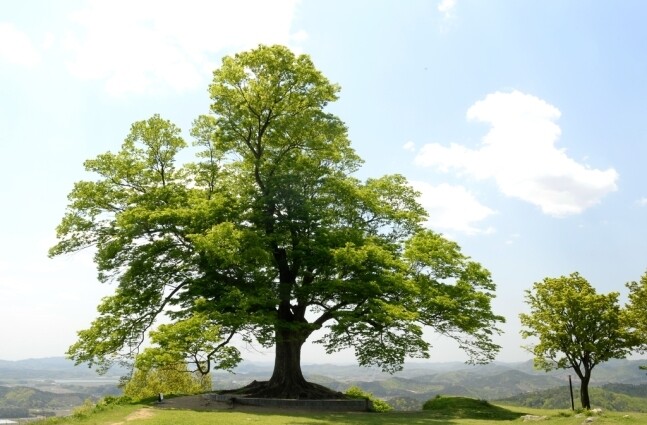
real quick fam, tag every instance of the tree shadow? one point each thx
(440, 411)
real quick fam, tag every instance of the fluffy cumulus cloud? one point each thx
(452, 208)
(16, 47)
(147, 45)
(519, 153)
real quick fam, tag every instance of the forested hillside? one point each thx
(20, 402)
(620, 397)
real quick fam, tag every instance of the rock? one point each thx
(533, 418)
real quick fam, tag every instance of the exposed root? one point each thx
(308, 391)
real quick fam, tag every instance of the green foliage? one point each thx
(464, 407)
(376, 404)
(637, 311)
(114, 400)
(89, 408)
(85, 410)
(172, 379)
(405, 404)
(575, 327)
(266, 235)
(196, 338)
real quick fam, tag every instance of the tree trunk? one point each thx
(287, 379)
(584, 392)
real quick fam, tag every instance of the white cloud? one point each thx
(150, 45)
(642, 201)
(452, 208)
(519, 153)
(16, 47)
(409, 146)
(446, 6)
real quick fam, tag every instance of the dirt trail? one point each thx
(144, 413)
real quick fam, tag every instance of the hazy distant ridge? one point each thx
(620, 383)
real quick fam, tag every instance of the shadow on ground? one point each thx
(440, 411)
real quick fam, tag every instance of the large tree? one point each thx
(268, 236)
(575, 327)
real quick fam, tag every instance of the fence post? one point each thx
(570, 384)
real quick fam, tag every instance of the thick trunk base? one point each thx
(305, 390)
(287, 380)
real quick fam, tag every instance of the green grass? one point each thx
(448, 411)
(468, 408)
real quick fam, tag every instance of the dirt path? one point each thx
(144, 413)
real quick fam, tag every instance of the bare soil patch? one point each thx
(144, 413)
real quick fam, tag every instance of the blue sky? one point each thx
(521, 123)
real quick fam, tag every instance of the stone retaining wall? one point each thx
(304, 404)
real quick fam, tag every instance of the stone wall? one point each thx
(303, 404)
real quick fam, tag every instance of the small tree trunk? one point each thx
(584, 392)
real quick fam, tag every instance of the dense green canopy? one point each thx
(267, 235)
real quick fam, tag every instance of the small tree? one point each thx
(180, 358)
(576, 327)
(173, 379)
(195, 341)
(637, 311)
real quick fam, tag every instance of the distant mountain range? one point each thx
(517, 383)
(48, 386)
(520, 376)
(48, 368)
(422, 381)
